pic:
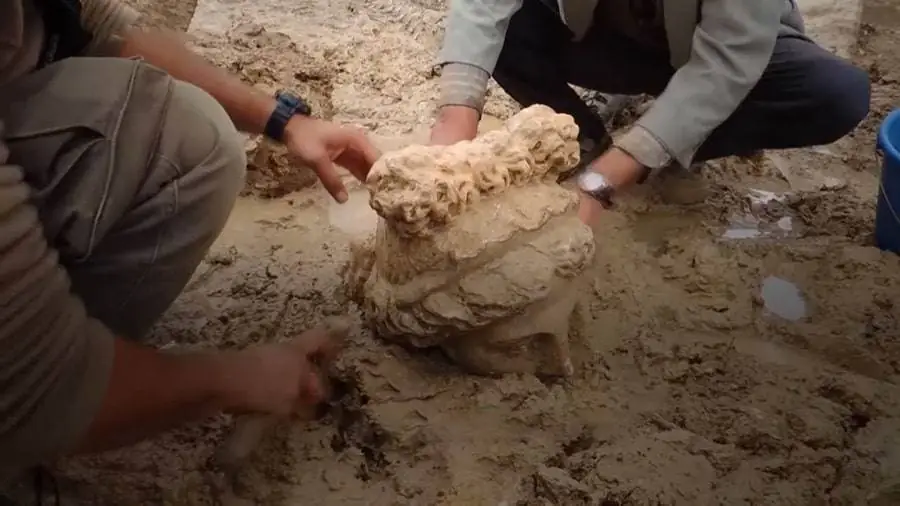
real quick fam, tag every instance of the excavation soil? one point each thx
(733, 351)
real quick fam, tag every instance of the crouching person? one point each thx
(120, 161)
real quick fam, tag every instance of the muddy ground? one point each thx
(702, 378)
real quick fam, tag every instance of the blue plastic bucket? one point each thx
(887, 214)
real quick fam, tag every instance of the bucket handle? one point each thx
(879, 154)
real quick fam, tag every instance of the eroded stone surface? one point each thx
(477, 247)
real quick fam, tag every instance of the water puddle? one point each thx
(743, 227)
(783, 298)
(353, 217)
(759, 199)
(750, 225)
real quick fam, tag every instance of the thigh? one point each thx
(797, 71)
(65, 128)
(539, 49)
(192, 182)
(612, 63)
(805, 82)
(806, 96)
(531, 67)
(531, 57)
(103, 143)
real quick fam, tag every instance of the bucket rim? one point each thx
(891, 148)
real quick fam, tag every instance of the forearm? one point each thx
(151, 391)
(248, 107)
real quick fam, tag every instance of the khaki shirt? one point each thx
(55, 361)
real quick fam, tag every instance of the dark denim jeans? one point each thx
(806, 96)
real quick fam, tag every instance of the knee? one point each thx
(844, 93)
(209, 154)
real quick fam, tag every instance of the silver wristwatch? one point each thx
(596, 186)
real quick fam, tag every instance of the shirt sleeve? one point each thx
(731, 47)
(473, 39)
(106, 21)
(644, 147)
(55, 361)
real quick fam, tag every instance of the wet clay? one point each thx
(477, 247)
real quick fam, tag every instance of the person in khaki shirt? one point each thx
(120, 161)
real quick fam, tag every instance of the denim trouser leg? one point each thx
(806, 96)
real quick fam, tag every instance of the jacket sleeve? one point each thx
(55, 361)
(732, 46)
(473, 38)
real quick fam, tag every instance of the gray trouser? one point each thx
(806, 96)
(134, 175)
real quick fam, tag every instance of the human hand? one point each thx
(320, 144)
(283, 378)
(454, 123)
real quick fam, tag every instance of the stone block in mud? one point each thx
(478, 249)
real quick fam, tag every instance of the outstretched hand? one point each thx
(321, 144)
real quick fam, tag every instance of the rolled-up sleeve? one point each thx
(731, 47)
(106, 21)
(473, 39)
(55, 361)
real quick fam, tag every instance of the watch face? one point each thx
(597, 187)
(591, 182)
(297, 104)
(286, 96)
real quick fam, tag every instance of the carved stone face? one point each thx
(478, 247)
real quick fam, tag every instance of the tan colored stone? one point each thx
(478, 247)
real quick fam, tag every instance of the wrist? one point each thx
(619, 168)
(453, 112)
(609, 174)
(288, 108)
(225, 388)
(297, 126)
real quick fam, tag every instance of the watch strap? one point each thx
(287, 105)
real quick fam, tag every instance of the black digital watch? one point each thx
(287, 105)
